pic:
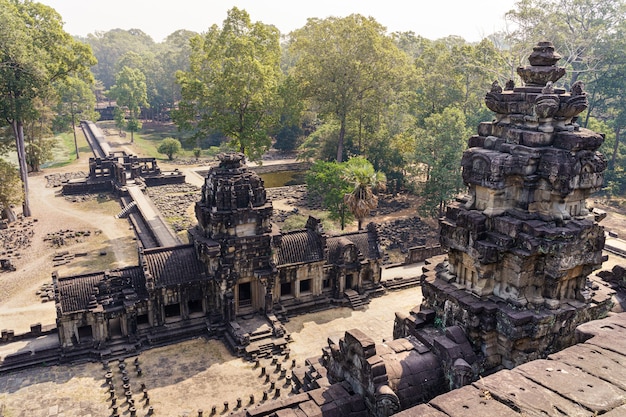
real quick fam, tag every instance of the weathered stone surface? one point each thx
(572, 383)
(596, 361)
(470, 401)
(530, 398)
(422, 410)
(618, 412)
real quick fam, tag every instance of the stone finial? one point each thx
(577, 89)
(548, 89)
(543, 55)
(231, 159)
(542, 68)
(495, 87)
(510, 85)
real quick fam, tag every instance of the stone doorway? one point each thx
(115, 327)
(349, 281)
(245, 295)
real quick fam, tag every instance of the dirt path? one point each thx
(20, 306)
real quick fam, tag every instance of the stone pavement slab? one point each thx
(422, 410)
(530, 398)
(618, 412)
(604, 364)
(470, 401)
(574, 384)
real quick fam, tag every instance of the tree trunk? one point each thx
(74, 131)
(615, 149)
(9, 214)
(18, 131)
(342, 133)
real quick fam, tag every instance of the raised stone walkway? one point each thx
(587, 379)
(163, 234)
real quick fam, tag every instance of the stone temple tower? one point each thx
(522, 243)
(233, 237)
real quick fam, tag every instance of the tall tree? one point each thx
(130, 92)
(10, 192)
(231, 86)
(35, 51)
(76, 100)
(325, 181)
(438, 152)
(363, 180)
(110, 46)
(347, 66)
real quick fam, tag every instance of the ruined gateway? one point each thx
(521, 247)
(235, 264)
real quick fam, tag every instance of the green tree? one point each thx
(363, 180)
(35, 51)
(325, 182)
(77, 101)
(349, 68)
(110, 46)
(231, 86)
(130, 92)
(10, 192)
(438, 153)
(169, 147)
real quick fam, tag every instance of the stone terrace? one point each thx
(587, 379)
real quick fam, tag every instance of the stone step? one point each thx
(356, 301)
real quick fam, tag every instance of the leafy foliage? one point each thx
(35, 52)
(438, 154)
(349, 68)
(169, 147)
(363, 180)
(10, 192)
(325, 181)
(130, 92)
(231, 86)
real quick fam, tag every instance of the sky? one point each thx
(432, 19)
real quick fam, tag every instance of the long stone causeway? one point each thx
(162, 233)
(150, 226)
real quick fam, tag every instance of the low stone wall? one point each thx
(36, 330)
(421, 253)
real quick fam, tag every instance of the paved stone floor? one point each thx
(192, 375)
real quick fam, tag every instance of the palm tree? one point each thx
(361, 175)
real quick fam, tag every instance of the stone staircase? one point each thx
(356, 301)
(126, 210)
(402, 283)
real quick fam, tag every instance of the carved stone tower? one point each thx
(522, 243)
(233, 236)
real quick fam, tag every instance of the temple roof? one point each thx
(106, 288)
(299, 247)
(174, 265)
(364, 240)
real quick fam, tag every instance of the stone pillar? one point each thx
(229, 306)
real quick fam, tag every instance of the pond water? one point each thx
(283, 178)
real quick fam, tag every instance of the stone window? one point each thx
(305, 286)
(172, 311)
(285, 289)
(194, 306)
(142, 320)
(326, 283)
(85, 333)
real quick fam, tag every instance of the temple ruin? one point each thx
(522, 245)
(236, 264)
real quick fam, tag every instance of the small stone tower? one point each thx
(522, 243)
